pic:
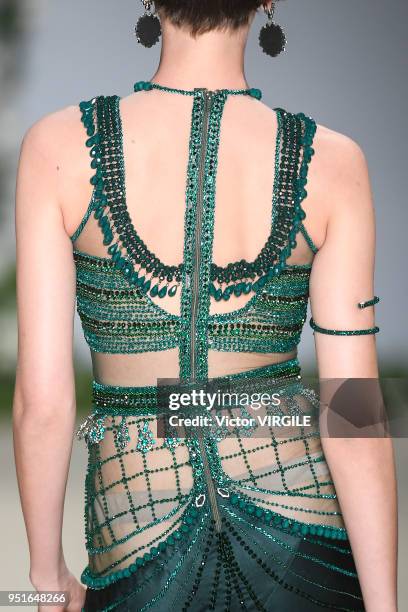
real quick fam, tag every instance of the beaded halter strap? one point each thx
(101, 117)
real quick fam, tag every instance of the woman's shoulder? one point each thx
(53, 148)
(339, 165)
(337, 148)
(54, 138)
(338, 183)
(58, 138)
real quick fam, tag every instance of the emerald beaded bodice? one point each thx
(118, 318)
(118, 296)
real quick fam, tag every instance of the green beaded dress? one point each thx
(229, 519)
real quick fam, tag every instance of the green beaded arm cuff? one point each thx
(343, 332)
(371, 302)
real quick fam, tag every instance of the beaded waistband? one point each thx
(143, 400)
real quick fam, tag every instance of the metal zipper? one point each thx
(207, 99)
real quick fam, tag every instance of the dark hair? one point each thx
(204, 15)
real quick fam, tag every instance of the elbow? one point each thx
(42, 407)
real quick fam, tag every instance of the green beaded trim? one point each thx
(189, 519)
(308, 239)
(84, 219)
(149, 85)
(335, 332)
(104, 293)
(371, 302)
(285, 524)
(113, 399)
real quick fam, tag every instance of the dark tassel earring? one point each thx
(272, 38)
(148, 27)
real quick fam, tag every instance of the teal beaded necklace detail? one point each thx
(149, 85)
(102, 120)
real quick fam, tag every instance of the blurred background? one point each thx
(345, 65)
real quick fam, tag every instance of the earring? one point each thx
(272, 38)
(148, 27)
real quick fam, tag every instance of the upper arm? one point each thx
(343, 269)
(45, 275)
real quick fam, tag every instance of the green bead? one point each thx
(162, 292)
(255, 93)
(262, 281)
(107, 238)
(173, 290)
(238, 289)
(234, 499)
(120, 263)
(154, 290)
(103, 221)
(85, 105)
(227, 292)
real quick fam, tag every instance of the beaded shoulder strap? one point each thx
(101, 118)
(91, 112)
(295, 155)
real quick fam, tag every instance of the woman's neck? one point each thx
(214, 60)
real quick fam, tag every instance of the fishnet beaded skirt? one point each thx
(240, 519)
